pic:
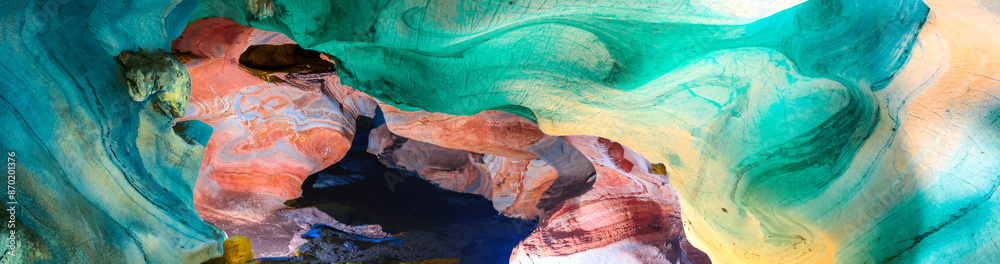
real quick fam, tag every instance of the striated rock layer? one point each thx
(843, 131)
(515, 186)
(628, 215)
(279, 114)
(490, 132)
(99, 172)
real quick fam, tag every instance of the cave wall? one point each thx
(819, 131)
(278, 116)
(794, 131)
(625, 212)
(102, 172)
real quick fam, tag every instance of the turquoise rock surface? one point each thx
(100, 178)
(812, 133)
(844, 131)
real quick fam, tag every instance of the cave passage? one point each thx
(429, 222)
(426, 221)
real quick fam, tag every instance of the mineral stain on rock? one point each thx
(157, 73)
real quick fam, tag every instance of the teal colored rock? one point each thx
(794, 132)
(843, 131)
(102, 176)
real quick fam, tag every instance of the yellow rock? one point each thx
(237, 250)
(659, 168)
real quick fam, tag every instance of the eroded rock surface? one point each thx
(275, 121)
(844, 131)
(618, 210)
(98, 175)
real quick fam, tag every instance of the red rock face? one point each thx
(490, 132)
(269, 136)
(514, 185)
(628, 206)
(517, 185)
(617, 154)
(507, 173)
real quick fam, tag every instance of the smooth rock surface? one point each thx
(629, 215)
(490, 132)
(100, 176)
(515, 186)
(272, 129)
(843, 131)
(626, 214)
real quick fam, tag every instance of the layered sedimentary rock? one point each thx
(820, 131)
(514, 185)
(935, 148)
(490, 132)
(518, 185)
(823, 131)
(490, 149)
(450, 169)
(626, 213)
(278, 111)
(101, 173)
(629, 215)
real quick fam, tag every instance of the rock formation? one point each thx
(842, 131)
(278, 111)
(629, 214)
(824, 131)
(490, 132)
(514, 185)
(99, 172)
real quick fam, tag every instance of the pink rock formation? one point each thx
(630, 215)
(514, 185)
(517, 185)
(268, 136)
(490, 132)
(508, 174)
(629, 211)
(450, 169)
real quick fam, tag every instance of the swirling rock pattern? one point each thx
(271, 129)
(101, 176)
(842, 131)
(515, 186)
(450, 169)
(490, 132)
(628, 215)
(500, 166)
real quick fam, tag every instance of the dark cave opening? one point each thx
(426, 221)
